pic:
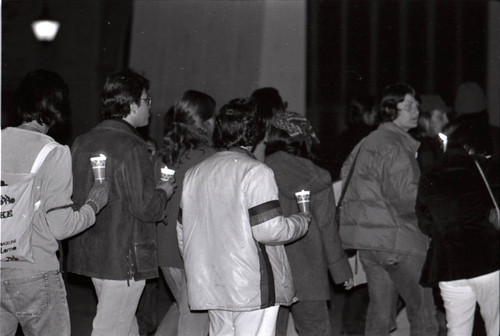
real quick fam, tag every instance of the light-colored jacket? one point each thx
(378, 211)
(230, 234)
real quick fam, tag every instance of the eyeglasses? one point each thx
(148, 100)
(411, 105)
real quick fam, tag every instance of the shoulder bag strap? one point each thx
(348, 179)
(42, 155)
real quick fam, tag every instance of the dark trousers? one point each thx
(310, 318)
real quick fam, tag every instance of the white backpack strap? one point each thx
(42, 155)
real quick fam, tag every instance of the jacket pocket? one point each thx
(145, 256)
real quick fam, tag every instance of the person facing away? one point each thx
(268, 101)
(119, 252)
(231, 231)
(319, 252)
(33, 293)
(431, 121)
(455, 208)
(378, 216)
(188, 141)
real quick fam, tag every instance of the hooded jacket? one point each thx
(122, 243)
(320, 250)
(378, 210)
(230, 234)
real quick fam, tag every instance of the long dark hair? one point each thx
(185, 125)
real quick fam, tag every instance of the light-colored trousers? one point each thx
(460, 297)
(260, 322)
(116, 307)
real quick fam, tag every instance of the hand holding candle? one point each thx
(99, 167)
(167, 174)
(303, 200)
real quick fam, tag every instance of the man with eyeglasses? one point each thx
(378, 216)
(119, 252)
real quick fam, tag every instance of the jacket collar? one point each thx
(243, 151)
(392, 127)
(120, 125)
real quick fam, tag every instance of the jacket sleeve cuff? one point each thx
(164, 195)
(340, 271)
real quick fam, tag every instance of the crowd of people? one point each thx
(420, 207)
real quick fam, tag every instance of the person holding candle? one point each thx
(231, 230)
(187, 141)
(119, 252)
(33, 293)
(319, 253)
(457, 204)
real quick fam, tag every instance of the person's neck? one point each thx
(130, 121)
(35, 126)
(406, 129)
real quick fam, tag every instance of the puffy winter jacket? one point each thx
(378, 211)
(231, 232)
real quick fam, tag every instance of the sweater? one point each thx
(55, 219)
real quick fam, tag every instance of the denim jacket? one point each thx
(122, 243)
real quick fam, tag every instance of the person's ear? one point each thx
(133, 108)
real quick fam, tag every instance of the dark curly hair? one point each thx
(122, 88)
(391, 97)
(239, 124)
(185, 125)
(43, 96)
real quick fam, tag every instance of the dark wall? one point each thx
(92, 41)
(357, 46)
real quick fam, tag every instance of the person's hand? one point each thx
(349, 284)
(168, 186)
(98, 196)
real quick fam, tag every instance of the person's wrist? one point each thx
(93, 205)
